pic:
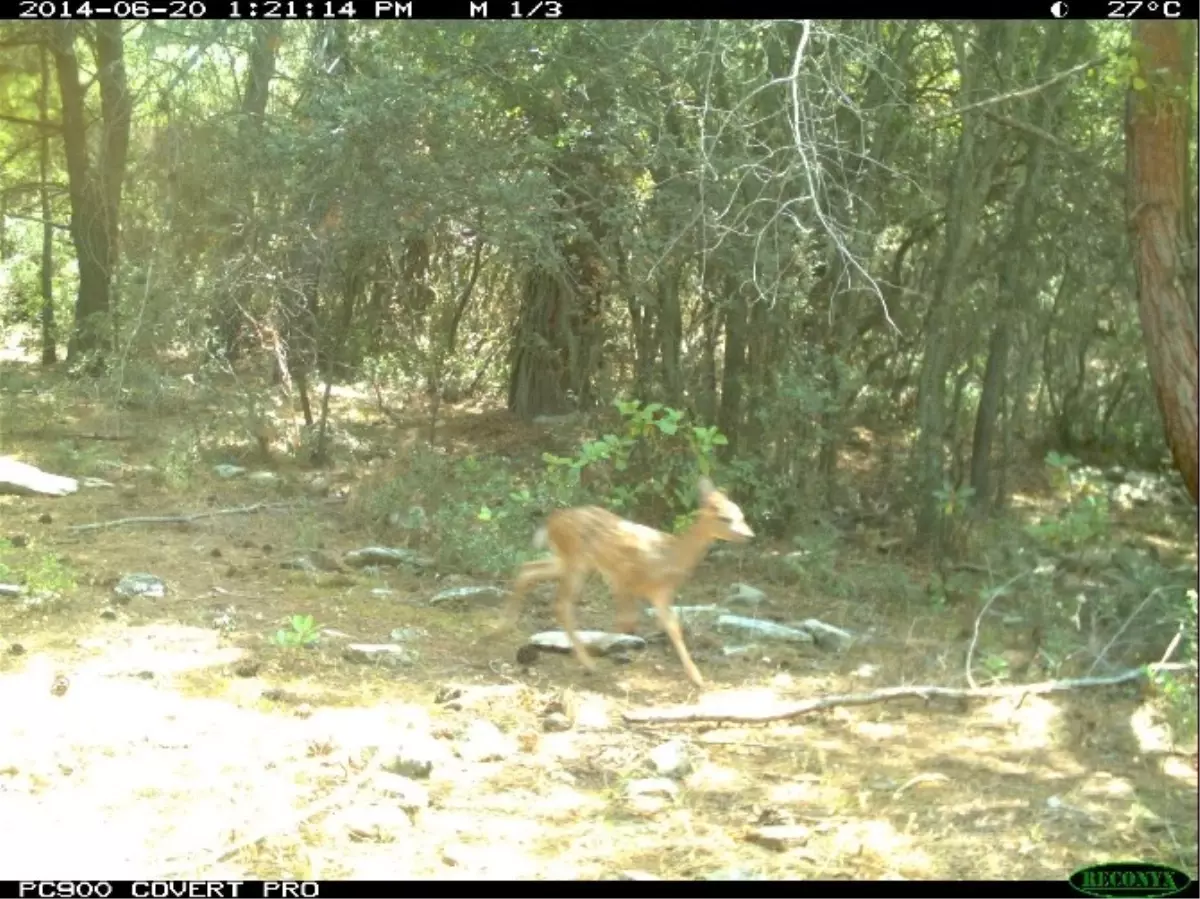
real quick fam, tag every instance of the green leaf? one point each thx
(1139, 84)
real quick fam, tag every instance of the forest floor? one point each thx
(181, 741)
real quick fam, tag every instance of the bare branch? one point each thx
(737, 710)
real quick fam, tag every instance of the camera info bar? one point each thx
(495, 10)
(185, 889)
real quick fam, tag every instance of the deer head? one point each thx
(723, 519)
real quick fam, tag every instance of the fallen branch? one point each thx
(738, 712)
(189, 517)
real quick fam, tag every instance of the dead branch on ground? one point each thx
(737, 712)
(189, 517)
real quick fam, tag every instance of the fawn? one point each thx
(635, 561)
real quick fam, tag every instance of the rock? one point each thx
(388, 655)
(827, 636)
(400, 634)
(300, 563)
(228, 471)
(652, 786)
(556, 722)
(690, 614)
(388, 556)
(527, 655)
(598, 642)
(670, 759)
(131, 585)
(19, 479)
(453, 594)
(780, 837)
(746, 596)
(767, 629)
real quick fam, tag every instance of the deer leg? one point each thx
(564, 610)
(626, 617)
(530, 573)
(670, 623)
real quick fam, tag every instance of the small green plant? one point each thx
(44, 574)
(45, 577)
(518, 499)
(48, 576)
(954, 500)
(1085, 514)
(1180, 702)
(657, 454)
(177, 466)
(489, 536)
(304, 632)
(947, 588)
(995, 665)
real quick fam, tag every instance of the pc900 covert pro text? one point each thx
(166, 889)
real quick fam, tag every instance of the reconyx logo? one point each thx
(1119, 879)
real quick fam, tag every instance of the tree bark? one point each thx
(975, 159)
(95, 191)
(1161, 208)
(49, 337)
(1011, 290)
(731, 412)
(540, 365)
(230, 320)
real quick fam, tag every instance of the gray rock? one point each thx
(386, 654)
(670, 759)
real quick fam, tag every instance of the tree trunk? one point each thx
(230, 320)
(49, 337)
(540, 367)
(730, 413)
(643, 321)
(974, 161)
(1011, 289)
(1162, 226)
(706, 395)
(95, 191)
(670, 333)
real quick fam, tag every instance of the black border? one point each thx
(626, 889)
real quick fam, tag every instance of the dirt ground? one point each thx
(169, 736)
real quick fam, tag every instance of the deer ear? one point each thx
(705, 486)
